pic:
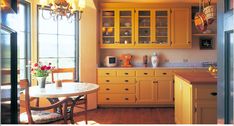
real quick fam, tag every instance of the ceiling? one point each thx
(153, 1)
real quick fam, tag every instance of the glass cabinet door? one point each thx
(108, 27)
(144, 25)
(126, 27)
(162, 27)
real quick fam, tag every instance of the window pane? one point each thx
(66, 28)
(21, 17)
(46, 26)
(66, 62)
(21, 45)
(66, 46)
(47, 45)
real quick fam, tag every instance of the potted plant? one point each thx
(40, 72)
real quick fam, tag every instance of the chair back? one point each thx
(24, 84)
(63, 74)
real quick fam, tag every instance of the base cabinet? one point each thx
(195, 104)
(145, 90)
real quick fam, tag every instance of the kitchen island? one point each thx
(195, 98)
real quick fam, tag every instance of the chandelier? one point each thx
(62, 8)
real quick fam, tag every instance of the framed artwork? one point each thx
(206, 44)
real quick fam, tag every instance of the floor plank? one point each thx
(128, 116)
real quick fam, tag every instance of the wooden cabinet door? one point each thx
(181, 28)
(187, 103)
(161, 28)
(205, 113)
(178, 100)
(108, 28)
(145, 90)
(143, 28)
(125, 28)
(164, 90)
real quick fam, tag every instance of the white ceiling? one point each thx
(153, 1)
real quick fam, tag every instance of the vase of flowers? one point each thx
(40, 72)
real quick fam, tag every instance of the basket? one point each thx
(210, 12)
(200, 21)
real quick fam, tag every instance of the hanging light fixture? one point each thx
(62, 8)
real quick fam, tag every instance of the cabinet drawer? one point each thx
(119, 80)
(114, 88)
(107, 73)
(144, 73)
(126, 73)
(116, 98)
(205, 93)
(163, 73)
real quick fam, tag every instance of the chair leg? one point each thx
(86, 118)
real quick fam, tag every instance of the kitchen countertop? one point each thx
(197, 77)
(164, 67)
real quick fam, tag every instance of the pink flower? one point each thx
(36, 64)
(43, 67)
(48, 68)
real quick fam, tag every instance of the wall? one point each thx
(193, 55)
(88, 47)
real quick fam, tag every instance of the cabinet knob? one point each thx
(107, 80)
(189, 42)
(126, 73)
(164, 73)
(107, 89)
(126, 81)
(126, 89)
(107, 99)
(213, 93)
(107, 73)
(145, 73)
(126, 98)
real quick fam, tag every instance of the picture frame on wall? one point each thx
(206, 44)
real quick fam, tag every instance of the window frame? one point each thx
(76, 38)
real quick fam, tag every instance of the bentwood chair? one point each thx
(78, 101)
(41, 115)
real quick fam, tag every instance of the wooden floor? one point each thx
(128, 116)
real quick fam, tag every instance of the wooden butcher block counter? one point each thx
(195, 98)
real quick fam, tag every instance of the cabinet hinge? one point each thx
(134, 11)
(195, 109)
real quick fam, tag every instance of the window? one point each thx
(57, 41)
(24, 43)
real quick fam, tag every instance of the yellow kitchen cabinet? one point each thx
(195, 103)
(117, 87)
(117, 28)
(164, 90)
(181, 28)
(161, 28)
(145, 90)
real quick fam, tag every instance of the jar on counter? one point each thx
(154, 59)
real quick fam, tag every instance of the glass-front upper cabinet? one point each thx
(162, 27)
(125, 27)
(143, 27)
(108, 27)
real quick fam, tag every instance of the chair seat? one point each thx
(40, 117)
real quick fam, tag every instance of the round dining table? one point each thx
(68, 89)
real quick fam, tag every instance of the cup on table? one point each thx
(58, 83)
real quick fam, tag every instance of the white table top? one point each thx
(67, 89)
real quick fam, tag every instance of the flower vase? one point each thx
(41, 81)
(154, 60)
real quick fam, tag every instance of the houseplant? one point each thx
(40, 72)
